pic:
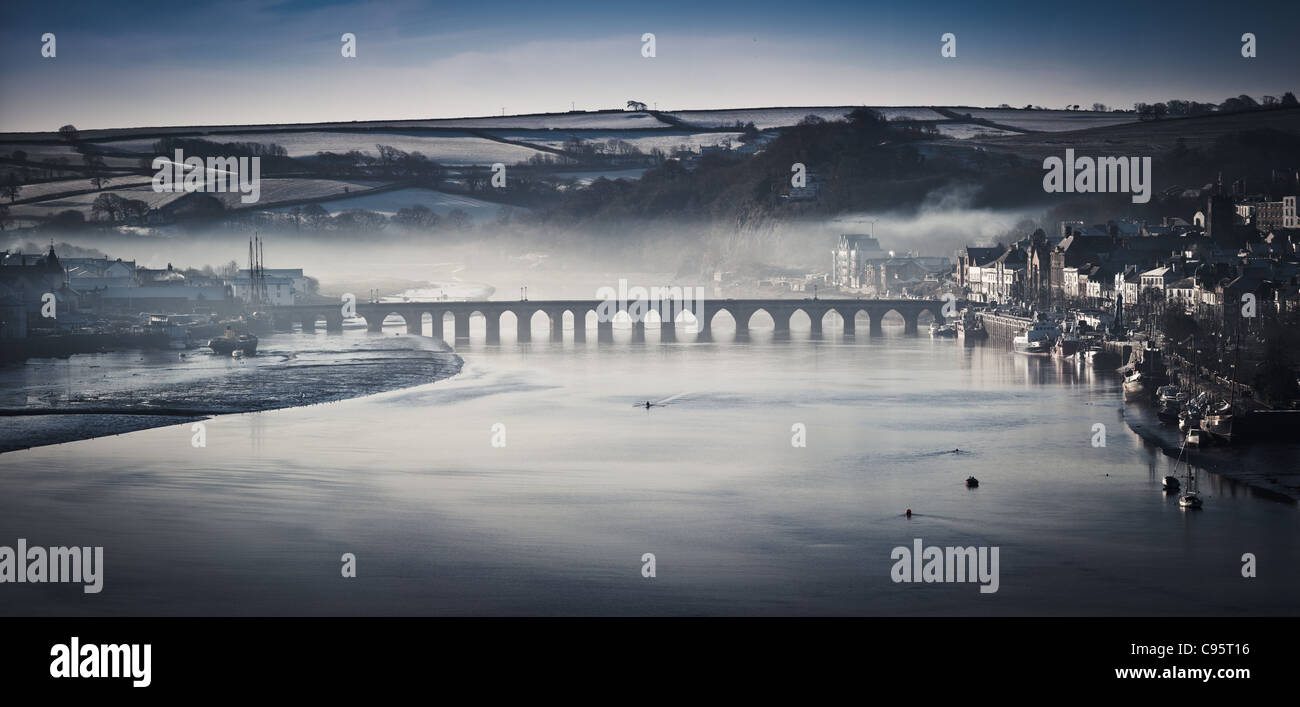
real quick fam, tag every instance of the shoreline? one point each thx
(33, 427)
(1238, 464)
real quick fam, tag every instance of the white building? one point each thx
(849, 259)
(279, 290)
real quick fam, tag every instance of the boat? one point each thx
(1189, 419)
(1097, 356)
(1172, 394)
(171, 330)
(1217, 421)
(1171, 483)
(1038, 337)
(1066, 346)
(1190, 499)
(1135, 383)
(972, 482)
(230, 342)
(1169, 412)
(1196, 438)
(970, 328)
(942, 330)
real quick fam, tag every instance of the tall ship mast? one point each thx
(257, 294)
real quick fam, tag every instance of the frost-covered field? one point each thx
(272, 191)
(389, 202)
(42, 153)
(62, 186)
(1049, 120)
(965, 131)
(566, 121)
(82, 202)
(908, 114)
(645, 141)
(587, 177)
(762, 118)
(453, 149)
(277, 190)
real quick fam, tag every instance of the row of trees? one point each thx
(417, 217)
(390, 163)
(1237, 104)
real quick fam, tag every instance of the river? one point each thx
(532, 483)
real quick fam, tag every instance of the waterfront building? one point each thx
(851, 257)
(1182, 294)
(1158, 278)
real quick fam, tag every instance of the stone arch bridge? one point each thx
(741, 310)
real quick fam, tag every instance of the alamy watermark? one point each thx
(216, 175)
(103, 660)
(946, 564)
(640, 301)
(37, 565)
(1089, 175)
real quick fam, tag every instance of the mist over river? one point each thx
(581, 483)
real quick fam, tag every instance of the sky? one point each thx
(131, 64)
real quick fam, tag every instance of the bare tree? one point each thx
(96, 170)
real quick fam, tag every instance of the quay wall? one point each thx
(1004, 326)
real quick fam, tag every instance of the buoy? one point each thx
(909, 513)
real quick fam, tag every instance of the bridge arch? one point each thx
(375, 321)
(709, 320)
(828, 317)
(799, 318)
(752, 317)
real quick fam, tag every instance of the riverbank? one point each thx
(51, 401)
(1268, 468)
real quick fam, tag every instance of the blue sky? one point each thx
(122, 64)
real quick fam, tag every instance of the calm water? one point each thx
(740, 522)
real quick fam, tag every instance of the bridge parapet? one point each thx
(704, 311)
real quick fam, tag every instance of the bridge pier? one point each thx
(493, 327)
(816, 319)
(604, 331)
(557, 325)
(876, 329)
(414, 324)
(850, 323)
(334, 323)
(703, 325)
(638, 330)
(579, 327)
(523, 327)
(781, 322)
(435, 324)
(742, 324)
(308, 323)
(668, 330)
(462, 325)
(374, 323)
(909, 324)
